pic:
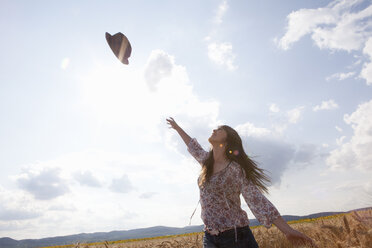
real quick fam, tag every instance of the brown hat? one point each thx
(120, 46)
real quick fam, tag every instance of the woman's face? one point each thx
(219, 135)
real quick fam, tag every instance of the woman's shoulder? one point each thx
(236, 168)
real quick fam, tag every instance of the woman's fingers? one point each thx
(298, 238)
(309, 240)
(170, 119)
(171, 122)
(306, 241)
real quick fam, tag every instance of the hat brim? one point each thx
(115, 42)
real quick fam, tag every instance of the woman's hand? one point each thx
(172, 123)
(298, 238)
(293, 236)
(185, 137)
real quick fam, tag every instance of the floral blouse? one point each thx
(220, 198)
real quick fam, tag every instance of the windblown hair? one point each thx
(234, 152)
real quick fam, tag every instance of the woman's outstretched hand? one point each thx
(185, 137)
(173, 124)
(298, 238)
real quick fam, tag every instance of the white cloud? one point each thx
(294, 115)
(62, 207)
(273, 154)
(121, 185)
(366, 72)
(357, 152)
(280, 120)
(222, 8)
(159, 65)
(147, 195)
(338, 129)
(222, 54)
(335, 26)
(340, 76)
(325, 145)
(87, 178)
(249, 129)
(360, 193)
(274, 108)
(326, 105)
(16, 206)
(43, 183)
(305, 153)
(340, 140)
(7, 214)
(357, 62)
(65, 63)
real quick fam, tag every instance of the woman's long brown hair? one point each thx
(234, 152)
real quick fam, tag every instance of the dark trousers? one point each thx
(226, 239)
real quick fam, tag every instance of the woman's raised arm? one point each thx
(186, 138)
(192, 144)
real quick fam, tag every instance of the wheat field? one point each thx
(350, 230)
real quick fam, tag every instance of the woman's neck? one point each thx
(219, 155)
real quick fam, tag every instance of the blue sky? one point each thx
(84, 144)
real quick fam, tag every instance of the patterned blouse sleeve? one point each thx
(197, 151)
(261, 207)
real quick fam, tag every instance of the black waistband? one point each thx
(229, 231)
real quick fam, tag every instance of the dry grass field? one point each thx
(349, 230)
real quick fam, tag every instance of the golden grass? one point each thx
(349, 230)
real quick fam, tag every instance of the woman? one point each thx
(227, 172)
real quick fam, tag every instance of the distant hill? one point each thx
(131, 234)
